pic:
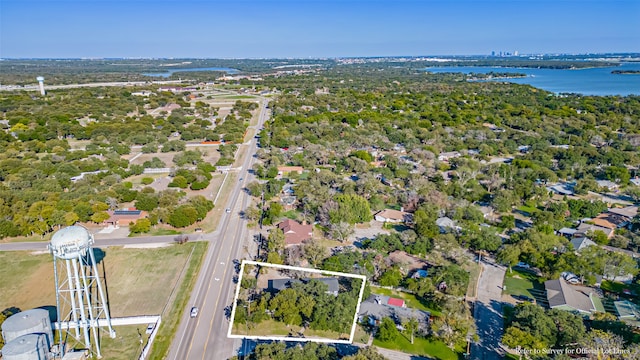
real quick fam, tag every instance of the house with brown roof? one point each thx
(294, 232)
(393, 216)
(611, 220)
(119, 218)
(289, 169)
(584, 228)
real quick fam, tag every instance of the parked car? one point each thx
(194, 312)
(523, 265)
(524, 298)
(150, 328)
(571, 278)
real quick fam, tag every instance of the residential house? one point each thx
(119, 218)
(609, 185)
(282, 170)
(294, 232)
(393, 216)
(487, 212)
(580, 243)
(628, 312)
(446, 156)
(563, 296)
(275, 285)
(562, 189)
(288, 202)
(611, 220)
(584, 228)
(446, 224)
(628, 212)
(567, 232)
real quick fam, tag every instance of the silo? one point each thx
(34, 321)
(26, 347)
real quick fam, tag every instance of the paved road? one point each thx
(488, 313)
(42, 245)
(205, 337)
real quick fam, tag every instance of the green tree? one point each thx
(275, 241)
(387, 330)
(351, 209)
(100, 217)
(367, 353)
(509, 255)
(146, 201)
(391, 277)
(292, 306)
(179, 181)
(140, 226)
(411, 326)
(515, 337)
(183, 216)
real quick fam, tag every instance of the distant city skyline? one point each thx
(313, 28)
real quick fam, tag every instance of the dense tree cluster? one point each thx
(303, 304)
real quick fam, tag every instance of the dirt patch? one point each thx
(407, 261)
(167, 158)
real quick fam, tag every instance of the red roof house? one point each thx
(294, 232)
(396, 302)
(119, 218)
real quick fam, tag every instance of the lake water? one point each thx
(171, 71)
(592, 81)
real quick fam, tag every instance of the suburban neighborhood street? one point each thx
(488, 313)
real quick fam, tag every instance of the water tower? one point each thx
(80, 297)
(41, 83)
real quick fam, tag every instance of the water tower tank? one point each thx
(26, 347)
(70, 242)
(34, 321)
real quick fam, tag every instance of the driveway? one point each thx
(488, 313)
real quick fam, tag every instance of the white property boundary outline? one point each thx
(287, 338)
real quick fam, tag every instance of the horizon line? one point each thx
(319, 57)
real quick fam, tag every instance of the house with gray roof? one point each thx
(628, 212)
(563, 296)
(276, 285)
(580, 243)
(446, 224)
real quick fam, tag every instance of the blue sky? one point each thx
(314, 28)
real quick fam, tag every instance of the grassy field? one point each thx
(125, 344)
(276, 328)
(522, 283)
(421, 346)
(139, 282)
(474, 276)
(265, 328)
(360, 336)
(411, 300)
